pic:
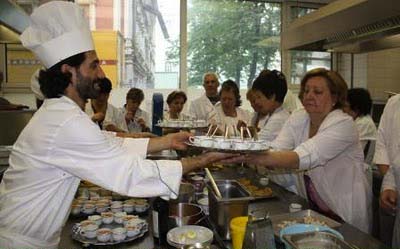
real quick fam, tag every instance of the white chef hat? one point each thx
(57, 30)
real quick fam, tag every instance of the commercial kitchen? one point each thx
(199, 124)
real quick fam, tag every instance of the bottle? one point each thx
(160, 215)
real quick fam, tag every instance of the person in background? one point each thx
(35, 87)
(176, 101)
(322, 140)
(203, 108)
(61, 145)
(269, 89)
(359, 108)
(229, 114)
(101, 112)
(292, 102)
(387, 158)
(132, 118)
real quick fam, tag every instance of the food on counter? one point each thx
(254, 190)
(305, 220)
(186, 235)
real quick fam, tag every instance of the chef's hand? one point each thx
(388, 200)
(98, 116)
(177, 141)
(129, 116)
(256, 159)
(204, 160)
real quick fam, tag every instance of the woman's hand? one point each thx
(98, 117)
(204, 160)
(388, 201)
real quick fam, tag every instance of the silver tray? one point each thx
(315, 240)
(227, 150)
(77, 236)
(182, 127)
(298, 217)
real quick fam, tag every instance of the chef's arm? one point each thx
(175, 141)
(383, 168)
(203, 160)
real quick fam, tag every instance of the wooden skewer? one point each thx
(213, 184)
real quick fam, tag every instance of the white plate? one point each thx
(182, 236)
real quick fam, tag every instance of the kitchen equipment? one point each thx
(315, 240)
(184, 214)
(186, 194)
(195, 236)
(233, 203)
(259, 233)
(279, 221)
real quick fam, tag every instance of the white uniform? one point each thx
(202, 108)
(291, 102)
(59, 147)
(222, 119)
(387, 150)
(334, 161)
(270, 126)
(366, 129)
(112, 113)
(133, 126)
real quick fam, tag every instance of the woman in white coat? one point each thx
(229, 114)
(323, 141)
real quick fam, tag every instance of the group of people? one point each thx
(62, 144)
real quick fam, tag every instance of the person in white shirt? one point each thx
(61, 145)
(292, 102)
(132, 118)
(359, 107)
(176, 101)
(101, 112)
(203, 108)
(323, 141)
(229, 114)
(387, 157)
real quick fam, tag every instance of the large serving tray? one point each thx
(212, 149)
(76, 235)
(315, 240)
(299, 217)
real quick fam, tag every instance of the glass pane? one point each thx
(235, 39)
(303, 61)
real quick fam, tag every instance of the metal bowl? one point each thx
(181, 214)
(202, 239)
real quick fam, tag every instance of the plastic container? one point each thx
(238, 229)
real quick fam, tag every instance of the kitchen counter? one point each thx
(278, 205)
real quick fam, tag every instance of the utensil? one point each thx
(209, 130)
(213, 184)
(215, 131)
(181, 214)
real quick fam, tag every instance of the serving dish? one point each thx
(180, 237)
(315, 240)
(301, 217)
(182, 124)
(229, 145)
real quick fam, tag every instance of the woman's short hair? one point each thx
(231, 85)
(176, 94)
(271, 83)
(53, 82)
(336, 84)
(135, 94)
(105, 85)
(360, 101)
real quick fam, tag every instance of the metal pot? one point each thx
(181, 214)
(186, 194)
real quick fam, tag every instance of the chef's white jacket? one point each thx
(270, 126)
(222, 119)
(366, 129)
(133, 126)
(59, 147)
(202, 109)
(387, 151)
(111, 117)
(333, 159)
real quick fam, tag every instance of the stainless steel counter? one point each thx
(274, 206)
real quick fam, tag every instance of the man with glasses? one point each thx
(204, 107)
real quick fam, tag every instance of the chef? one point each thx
(61, 145)
(204, 107)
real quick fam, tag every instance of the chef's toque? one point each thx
(57, 30)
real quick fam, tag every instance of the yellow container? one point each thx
(238, 229)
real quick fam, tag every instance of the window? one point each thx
(235, 39)
(303, 61)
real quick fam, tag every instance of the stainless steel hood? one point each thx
(353, 26)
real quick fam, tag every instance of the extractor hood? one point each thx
(350, 26)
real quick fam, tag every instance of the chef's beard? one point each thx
(87, 88)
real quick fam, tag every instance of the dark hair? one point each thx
(336, 84)
(271, 83)
(360, 101)
(176, 94)
(53, 82)
(105, 85)
(230, 85)
(135, 94)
